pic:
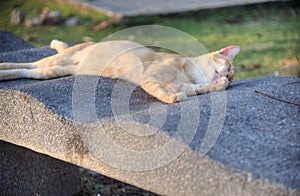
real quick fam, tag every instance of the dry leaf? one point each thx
(256, 66)
(101, 26)
(291, 61)
(290, 66)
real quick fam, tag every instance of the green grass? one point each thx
(267, 34)
(42, 35)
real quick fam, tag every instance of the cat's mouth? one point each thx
(216, 78)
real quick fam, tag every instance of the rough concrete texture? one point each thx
(25, 172)
(256, 151)
(125, 8)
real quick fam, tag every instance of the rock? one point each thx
(32, 22)
(73, 21)
(50, 17)
(17, 17)
(47, 17)
(53, 18)
(236, 142)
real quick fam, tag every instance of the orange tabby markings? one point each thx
(168, 77)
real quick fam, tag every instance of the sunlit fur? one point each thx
(168, 77)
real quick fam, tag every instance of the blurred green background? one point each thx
(267, 33)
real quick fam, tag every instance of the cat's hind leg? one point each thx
(161, 92)
(38, 73)
(13, 74)
(10, 66)
(51, 72)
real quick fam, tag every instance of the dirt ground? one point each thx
(95, 184)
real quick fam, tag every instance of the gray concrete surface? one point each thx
(125, 8)
(257, 151)
(25, 172)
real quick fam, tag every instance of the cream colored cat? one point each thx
(168, 77)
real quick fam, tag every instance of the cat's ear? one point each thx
(230, 51)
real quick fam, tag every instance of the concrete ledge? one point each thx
(256, 151)
(25, 172)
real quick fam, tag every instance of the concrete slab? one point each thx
(256, 150)
(121, 8)
(25, 172)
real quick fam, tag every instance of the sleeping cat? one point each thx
(168, 77)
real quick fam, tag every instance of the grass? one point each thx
(268, 34)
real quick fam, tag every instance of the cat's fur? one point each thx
(168, 77)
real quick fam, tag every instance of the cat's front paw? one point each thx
(175, 98)
(224, 81)
(222, 84)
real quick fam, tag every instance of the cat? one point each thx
(168, 77)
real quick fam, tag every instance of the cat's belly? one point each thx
(115, 59)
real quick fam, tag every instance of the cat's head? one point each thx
(212, 66)
(222, 62)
